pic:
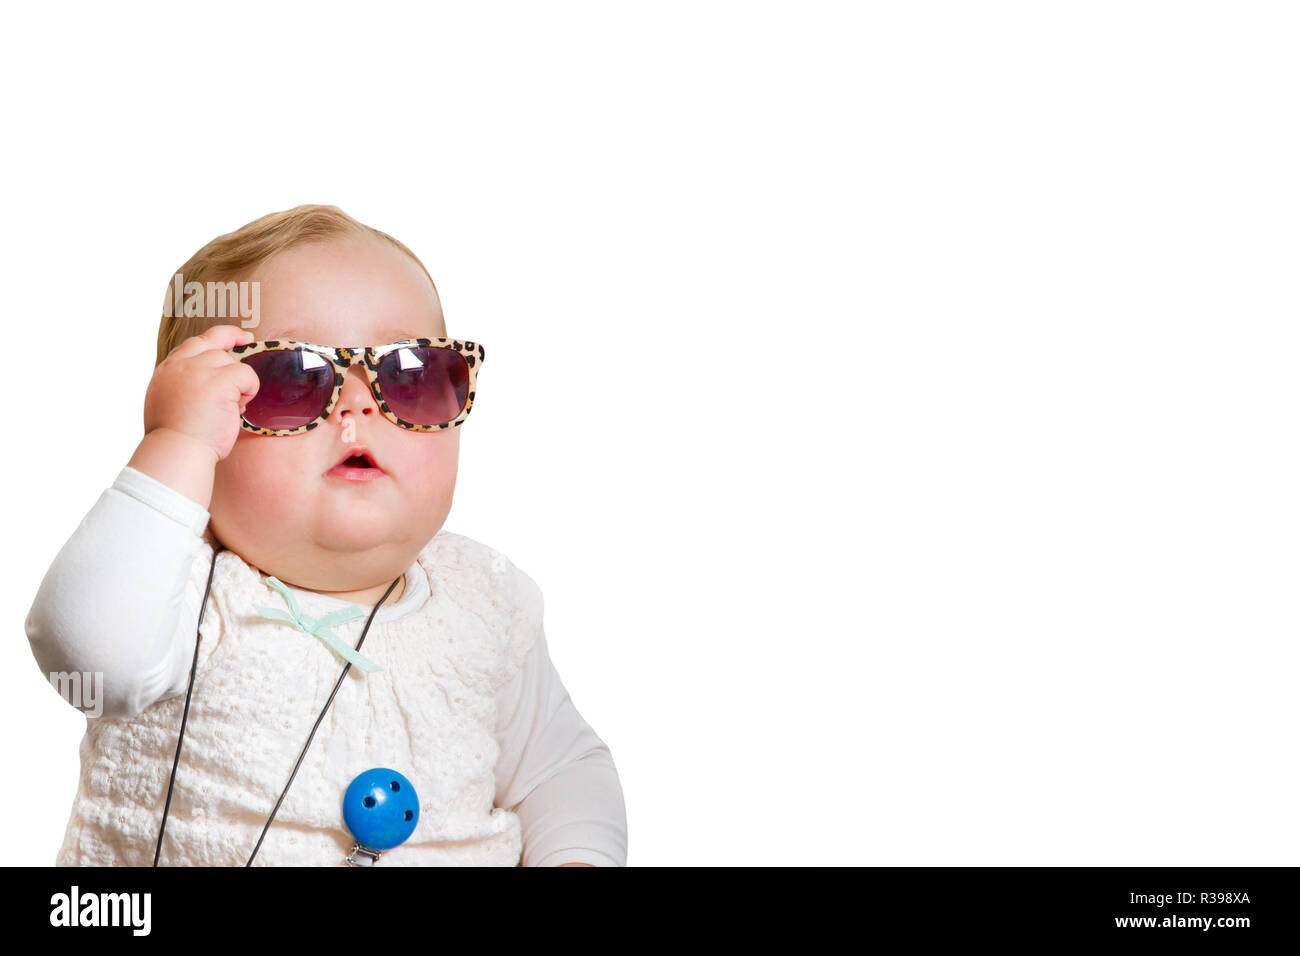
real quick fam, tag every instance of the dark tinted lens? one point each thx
(423, 385)
(294, 387)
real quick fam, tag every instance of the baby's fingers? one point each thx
(219, 337)
(235, 377)
(248, 383)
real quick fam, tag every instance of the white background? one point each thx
(895, 402)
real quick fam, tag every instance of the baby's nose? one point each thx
(355, 396)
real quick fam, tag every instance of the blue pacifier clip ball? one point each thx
(380, 809)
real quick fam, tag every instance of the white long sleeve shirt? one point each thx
(122, 599)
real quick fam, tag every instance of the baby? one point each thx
(270, 572)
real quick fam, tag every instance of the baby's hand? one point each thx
(192, 409)
(200, 389)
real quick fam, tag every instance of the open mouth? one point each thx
(357, 465)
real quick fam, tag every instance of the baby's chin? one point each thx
(332, 541)
(319, 549)
(354, 539)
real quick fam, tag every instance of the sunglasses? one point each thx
(421, 384)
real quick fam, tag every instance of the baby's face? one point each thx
(274, 503)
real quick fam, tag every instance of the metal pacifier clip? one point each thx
(380, 806)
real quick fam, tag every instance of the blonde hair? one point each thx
(235, 255)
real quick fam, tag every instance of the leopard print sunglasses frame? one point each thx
(369, 357)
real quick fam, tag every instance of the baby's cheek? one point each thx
(264, 474)
(434, 464)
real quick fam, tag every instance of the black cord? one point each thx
(198, 636)
(306, 746)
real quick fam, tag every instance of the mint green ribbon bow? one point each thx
(320, 627)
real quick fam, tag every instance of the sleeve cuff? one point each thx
(162, 498)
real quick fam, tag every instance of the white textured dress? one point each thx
(456, 640)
